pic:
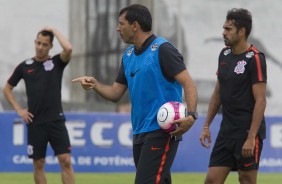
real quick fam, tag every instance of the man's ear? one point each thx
(136, 25)
(242, 31)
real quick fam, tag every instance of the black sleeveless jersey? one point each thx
(43, 81)
(236, 75)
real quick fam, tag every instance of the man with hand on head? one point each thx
(44, 115)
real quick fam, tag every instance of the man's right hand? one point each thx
(86, 82)
(206, 135)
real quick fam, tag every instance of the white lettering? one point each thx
(113, 161)
(50, 160)
(124, 133)
(21, 159)
(84, 160)
(76, 132)
(96, 134)
(270, 162)
(18, 132)
(276, 135)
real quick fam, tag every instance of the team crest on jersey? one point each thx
(226, 52)
(30, 149)
(240, 68)
(48, 65)
(129, 52)
(250, 54)
(29, 61)
(154, 47)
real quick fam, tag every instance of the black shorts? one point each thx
(228, 153)
(38, 137)
(153, 158)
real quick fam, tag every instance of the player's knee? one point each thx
(247, 179)
(39, 164)
(208, 181)
(65, 160)
(211, 179)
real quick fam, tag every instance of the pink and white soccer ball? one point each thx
(169, 112)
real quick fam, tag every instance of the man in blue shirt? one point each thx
(153, 71)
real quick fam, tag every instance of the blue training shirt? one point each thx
(147, 86)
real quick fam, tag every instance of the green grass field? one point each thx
(128, 178)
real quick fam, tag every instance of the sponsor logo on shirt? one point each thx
(222, 63)
(250, 54)
(29, 71)
(226, 52)
(29, 61)
(132, 74)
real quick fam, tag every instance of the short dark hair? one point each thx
(139, 13)
(47, 33)
(242, 18)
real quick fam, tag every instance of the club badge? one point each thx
(154, 47)
(48, 65)
(240, 68)
(129, 52)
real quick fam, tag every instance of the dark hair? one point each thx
(242, 18)
(139, 13)
(47, 33)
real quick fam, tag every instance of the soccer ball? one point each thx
(169, 112)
